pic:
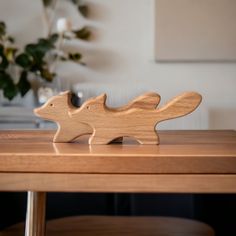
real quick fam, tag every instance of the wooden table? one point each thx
(184, 162)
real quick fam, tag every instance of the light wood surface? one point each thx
(137, 119)
(35, 215)
(135, 183)
(137, 123)
(119, 226)
(58, 108)
(180, 152)
(186, 161)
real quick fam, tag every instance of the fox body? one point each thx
(135, 122)
(59, 108)
(137, 119)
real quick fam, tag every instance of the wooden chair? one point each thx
(119, 226)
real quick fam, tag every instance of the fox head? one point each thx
(55, 107)
(92, 106)
(95, 103)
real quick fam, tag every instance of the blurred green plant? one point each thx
(8, 84)
(37, 58)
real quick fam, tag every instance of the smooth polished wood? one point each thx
(35, 215)
(137, 119)
(136, 183)
(180, 152)
(137, 123)
(59, 107)
(186, 161)
(119, 226)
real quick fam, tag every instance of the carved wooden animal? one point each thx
(58, 108)
(137, 122)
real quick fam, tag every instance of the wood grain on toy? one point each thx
(138, 123)
(59, 107)
(137, 120)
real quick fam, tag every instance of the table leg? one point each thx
(35, 215)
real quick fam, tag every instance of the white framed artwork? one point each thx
(195, 30)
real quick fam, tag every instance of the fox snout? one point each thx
(37, 111)
(42, 112)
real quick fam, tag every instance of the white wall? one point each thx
(120, 61)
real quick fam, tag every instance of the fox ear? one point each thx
(66, 93)
(66, 96)
(101, 98)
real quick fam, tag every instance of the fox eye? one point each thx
(88, 107)
(51, 104)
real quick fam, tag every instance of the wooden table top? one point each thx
(179, 152)
(185, 161)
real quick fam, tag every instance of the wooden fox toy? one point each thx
(135, 122)
(58, 109)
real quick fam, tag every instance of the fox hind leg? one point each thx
(148, 137)
(100, 138)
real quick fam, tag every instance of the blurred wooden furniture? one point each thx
(119, 226)
(185, 162)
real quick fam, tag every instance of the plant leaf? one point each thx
(10, 39)
(45, 44)
(36, 52)
(1, 49)
(3, 60)
(2, 28)
(10, 53)
(53, 38)
(83, 33)
(46, 74)
(23, 60)
(6, 83)
(4, 77)
(39, 49)
(47, 3)
(10, 91)
(63, 58)
(75, 56)
(76, 2)
(84, 11)
(23, 85)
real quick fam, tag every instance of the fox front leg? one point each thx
(70, 131)
(63, 136)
